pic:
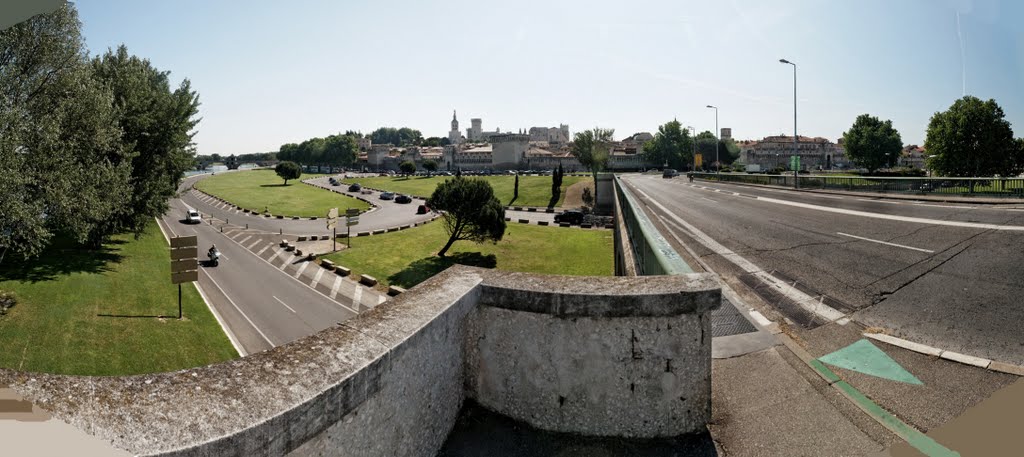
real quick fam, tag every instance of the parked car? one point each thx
(571, 216)
(669, 173)
(355, 188)
(193, 217)
(402, 198)
(422, 209)
(387, 195)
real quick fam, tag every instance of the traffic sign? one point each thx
(184, 253)
(352, 212)
(184, 262)
(333, 213)
(352, 222)
(184, 241)
(794, 162)
(185, 276)
(181, 266)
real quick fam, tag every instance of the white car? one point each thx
(192, 217)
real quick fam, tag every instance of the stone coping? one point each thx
(576, 296)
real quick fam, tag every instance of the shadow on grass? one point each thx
(424, 268)
(63, 257)
(274, 185)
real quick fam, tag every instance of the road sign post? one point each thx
(332, 223)
(184, 262)
(351, 218)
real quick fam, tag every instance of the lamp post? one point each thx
(796, 184)
(718, 165)
(693, 144)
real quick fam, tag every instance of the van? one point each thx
(669, 173)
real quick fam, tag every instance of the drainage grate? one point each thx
(726, 320)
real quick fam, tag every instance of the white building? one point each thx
(476, 132)
(558, 134)
(775, 151)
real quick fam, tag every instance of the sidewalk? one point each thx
(892, 196)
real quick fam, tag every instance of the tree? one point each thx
(63, 165)
(590, 147)
(340, 150)
(288, 170)
(408, 167)
(972, 138)
(556, 185)
(672, 145)
(872, 144)
(515, 190)
(157, 125)
(430, 165)
(471, 211)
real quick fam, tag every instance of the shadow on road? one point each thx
(63, 257)
(422, 269)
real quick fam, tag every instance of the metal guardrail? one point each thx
(978, 187)
(652, 254)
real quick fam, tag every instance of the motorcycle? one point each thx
(214, 256)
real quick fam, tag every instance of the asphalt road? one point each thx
(947, 275)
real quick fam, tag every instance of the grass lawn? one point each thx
(407, 257)
(262, 189)
(57, 324)
(533, 190)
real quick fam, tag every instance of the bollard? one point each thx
(222, 229)
(280, 232)
(247, 226)
(227, 221)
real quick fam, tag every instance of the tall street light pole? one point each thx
(795, 177)
(718, 165)
(693, 145)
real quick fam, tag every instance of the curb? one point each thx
(988, 364)
(890, 196)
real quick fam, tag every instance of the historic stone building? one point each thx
(775, 151)
(558, 134)
(454, 137)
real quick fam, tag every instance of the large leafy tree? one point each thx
(397, 137)
(288, 170)
(340, 150)
(430, 165)
(157, 125)
(591, 149)
(408, 167)
(672, 145)
(972, 138)
(872, 143)
(471, 211)
(63, 168)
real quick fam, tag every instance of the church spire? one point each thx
(453, 116)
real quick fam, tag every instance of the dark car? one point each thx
(422, 209)
(355, 188)
(569, 217)
(387, 195)
(403, 199)
(669, 173)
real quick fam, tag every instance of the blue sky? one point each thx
(269, 73)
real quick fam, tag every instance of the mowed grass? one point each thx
(261, 190)
(408, 257)
(57, 325)
(533, 190)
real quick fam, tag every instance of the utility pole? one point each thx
(796, 178)
(718, 165)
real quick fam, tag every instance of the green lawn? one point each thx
(407, 257)
(58, 324)
(263, 189)
(533, 190)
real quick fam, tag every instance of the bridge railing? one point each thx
(978, 187)
(640, 249)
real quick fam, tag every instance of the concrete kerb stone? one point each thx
(966, 359)
(524, 221)
(542, 223)
(379, 231)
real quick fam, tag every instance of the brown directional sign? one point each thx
(180, 266)
(185, 276)
(352, 212)
(184, 241)
(184, 253)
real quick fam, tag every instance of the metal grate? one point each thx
(726, 320)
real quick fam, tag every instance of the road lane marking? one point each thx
(301, 269)
(316, 278)
(220, 320)
(357, 296)
(879, 201)
(807, 302)
(253, 324)
(945, 206)
(264, 248)
(245, 239)
(334, 288)
(276, 254)
(887, 243)
(285, 304)
(708, 199)
(254, 243)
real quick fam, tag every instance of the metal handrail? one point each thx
(973, 186)
(653, 254)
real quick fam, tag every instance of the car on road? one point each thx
(192, 217)
(669, 173)
(422, 209)
(571, 216)
(387, 195)
(402, 198)
(355, 188)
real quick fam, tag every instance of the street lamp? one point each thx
(718, 165)
(693, 143)
(796, 184)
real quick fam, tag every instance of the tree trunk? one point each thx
(451, 241)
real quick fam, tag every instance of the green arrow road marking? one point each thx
(864, 357)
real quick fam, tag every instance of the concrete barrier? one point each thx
(343, 235)
(585, 225)
(378, 231)
(363, 234)
(392, 229)
(367, 280)
(280, 216)
(295, 218)
(542, 222)
(403, 227)
(395, 290)
(564, 224)
(342, 271)
(524, 221)
(324, 237)
(327, 264)
(301, 238)
(531, 209)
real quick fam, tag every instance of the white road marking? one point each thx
(807, 302)
(254, 243)
(245, 239)
(761, 320)
(238, 309)
(736, 194)
(334, 288)
(316, 278)
(886, 243)
(301, 269)
(264, 248)
(879, 201)
(276, 254)
(710, 200)
(891, 217)
(283, 303)
(231, 336)
(945, 206)
(357, 296)
(1015, 209)
(828, 196)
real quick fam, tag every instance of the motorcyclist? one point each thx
(213, 250)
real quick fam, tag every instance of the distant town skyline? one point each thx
(271, 73)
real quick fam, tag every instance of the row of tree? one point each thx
(334, 150)
(971, 138)
(673, 145)
(89, 147)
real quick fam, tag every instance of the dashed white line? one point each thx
(276, 254)
(316, 278)
(357, 296)
(245, 239)
(283, 303)
(334, 288)
(254, 243)
(945, 206)
(301, 269)
(886, 243)
(253, 324)
(264, 248)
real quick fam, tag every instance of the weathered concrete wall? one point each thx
(629, 357)
(605, 193)
(625, 261)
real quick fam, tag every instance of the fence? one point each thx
(639, 247)
(980, 187)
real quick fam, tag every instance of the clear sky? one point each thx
(272, 72)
